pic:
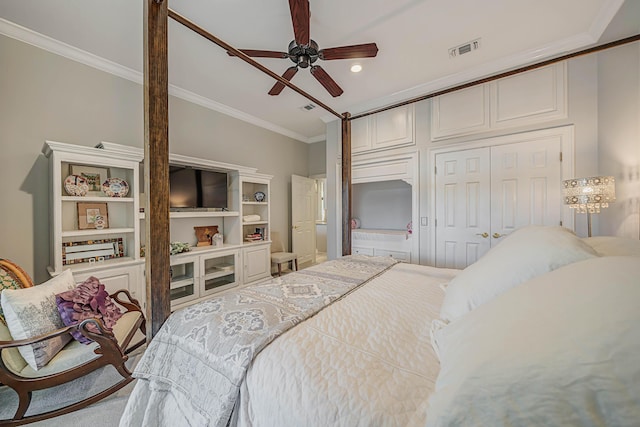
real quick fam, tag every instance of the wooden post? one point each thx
(346, 184)
(156, 164)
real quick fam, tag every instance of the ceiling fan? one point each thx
(304, 52)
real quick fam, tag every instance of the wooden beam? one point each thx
(156, 164)
(346, 184)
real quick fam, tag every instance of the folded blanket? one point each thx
(251, 218)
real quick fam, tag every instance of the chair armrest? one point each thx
(131, 305)
(36, 339)
(104, 337)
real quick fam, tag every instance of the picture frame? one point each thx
(95, 176)
(88, 216)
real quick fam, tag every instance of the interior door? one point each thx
(303, 218)
(525, 185)
(462, 207)
(486, 193)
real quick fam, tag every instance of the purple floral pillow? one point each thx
(89, 300)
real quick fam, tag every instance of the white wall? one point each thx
(619, 137)
(45, 96)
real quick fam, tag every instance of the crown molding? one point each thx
(57, 47)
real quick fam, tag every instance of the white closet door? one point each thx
(462, 207)
(525, 185)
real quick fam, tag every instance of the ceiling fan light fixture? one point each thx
(356, 68)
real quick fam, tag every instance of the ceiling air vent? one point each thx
(308, 107)
(464, 48)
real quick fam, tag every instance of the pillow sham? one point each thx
(31, 312)
(560, 349)
(89, 300)
(612, 245)
(526, 253)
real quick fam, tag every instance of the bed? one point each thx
(541, 331)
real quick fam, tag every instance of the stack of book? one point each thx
(253, 237)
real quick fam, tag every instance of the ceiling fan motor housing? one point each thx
(303, 55)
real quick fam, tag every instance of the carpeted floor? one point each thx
(105, 413)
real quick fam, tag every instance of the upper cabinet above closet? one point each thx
(389, 129)
(536, 96)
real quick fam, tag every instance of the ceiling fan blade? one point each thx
(261, 53)
(300, 19)
(367, 50)
(325, 80)
(288, 75)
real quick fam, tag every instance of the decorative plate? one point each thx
(259, 196)
(115, 187)
(75, 185)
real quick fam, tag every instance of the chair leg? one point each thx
(24, 401)
(296, 262)
(279, 269)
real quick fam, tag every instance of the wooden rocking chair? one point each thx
(113, 349)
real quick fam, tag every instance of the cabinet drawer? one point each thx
(399, 255)
(361, 251)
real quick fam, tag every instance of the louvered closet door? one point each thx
(462, 207)
(525, 185)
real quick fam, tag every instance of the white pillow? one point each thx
(526, 253)
(30, 312)
(612, 246)
(561, 349)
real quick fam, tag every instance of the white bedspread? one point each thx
(363, 361)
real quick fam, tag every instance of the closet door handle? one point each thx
(484, 235)
(498, 235)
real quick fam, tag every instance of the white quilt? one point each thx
(363, 361)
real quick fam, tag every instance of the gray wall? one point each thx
(317, 158)
(45, 96)
(382, 205)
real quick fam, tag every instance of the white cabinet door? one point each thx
(360, 135)
(463, 183)
(117, 278)
(257, 262)
(393, 128)
(461, 112)
(388, 129)
(530, 97)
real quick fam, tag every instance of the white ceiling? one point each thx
(413, 37)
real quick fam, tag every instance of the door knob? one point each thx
(484, 235)
(497, 235)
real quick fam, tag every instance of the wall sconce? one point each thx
(589, 195)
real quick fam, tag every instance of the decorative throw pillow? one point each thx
(614, 246)
(89, 300)
(526, 253)
(12, 277)
(31, 312)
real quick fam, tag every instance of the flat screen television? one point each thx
(192, 188)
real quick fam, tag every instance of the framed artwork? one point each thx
(92, 216)
(94, 176)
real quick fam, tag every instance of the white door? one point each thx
(303, 218)
(525, 185)
(462, 207)
(485, 193)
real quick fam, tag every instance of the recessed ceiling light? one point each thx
(356, 68)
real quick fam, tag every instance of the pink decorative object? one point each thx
(410, 227)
